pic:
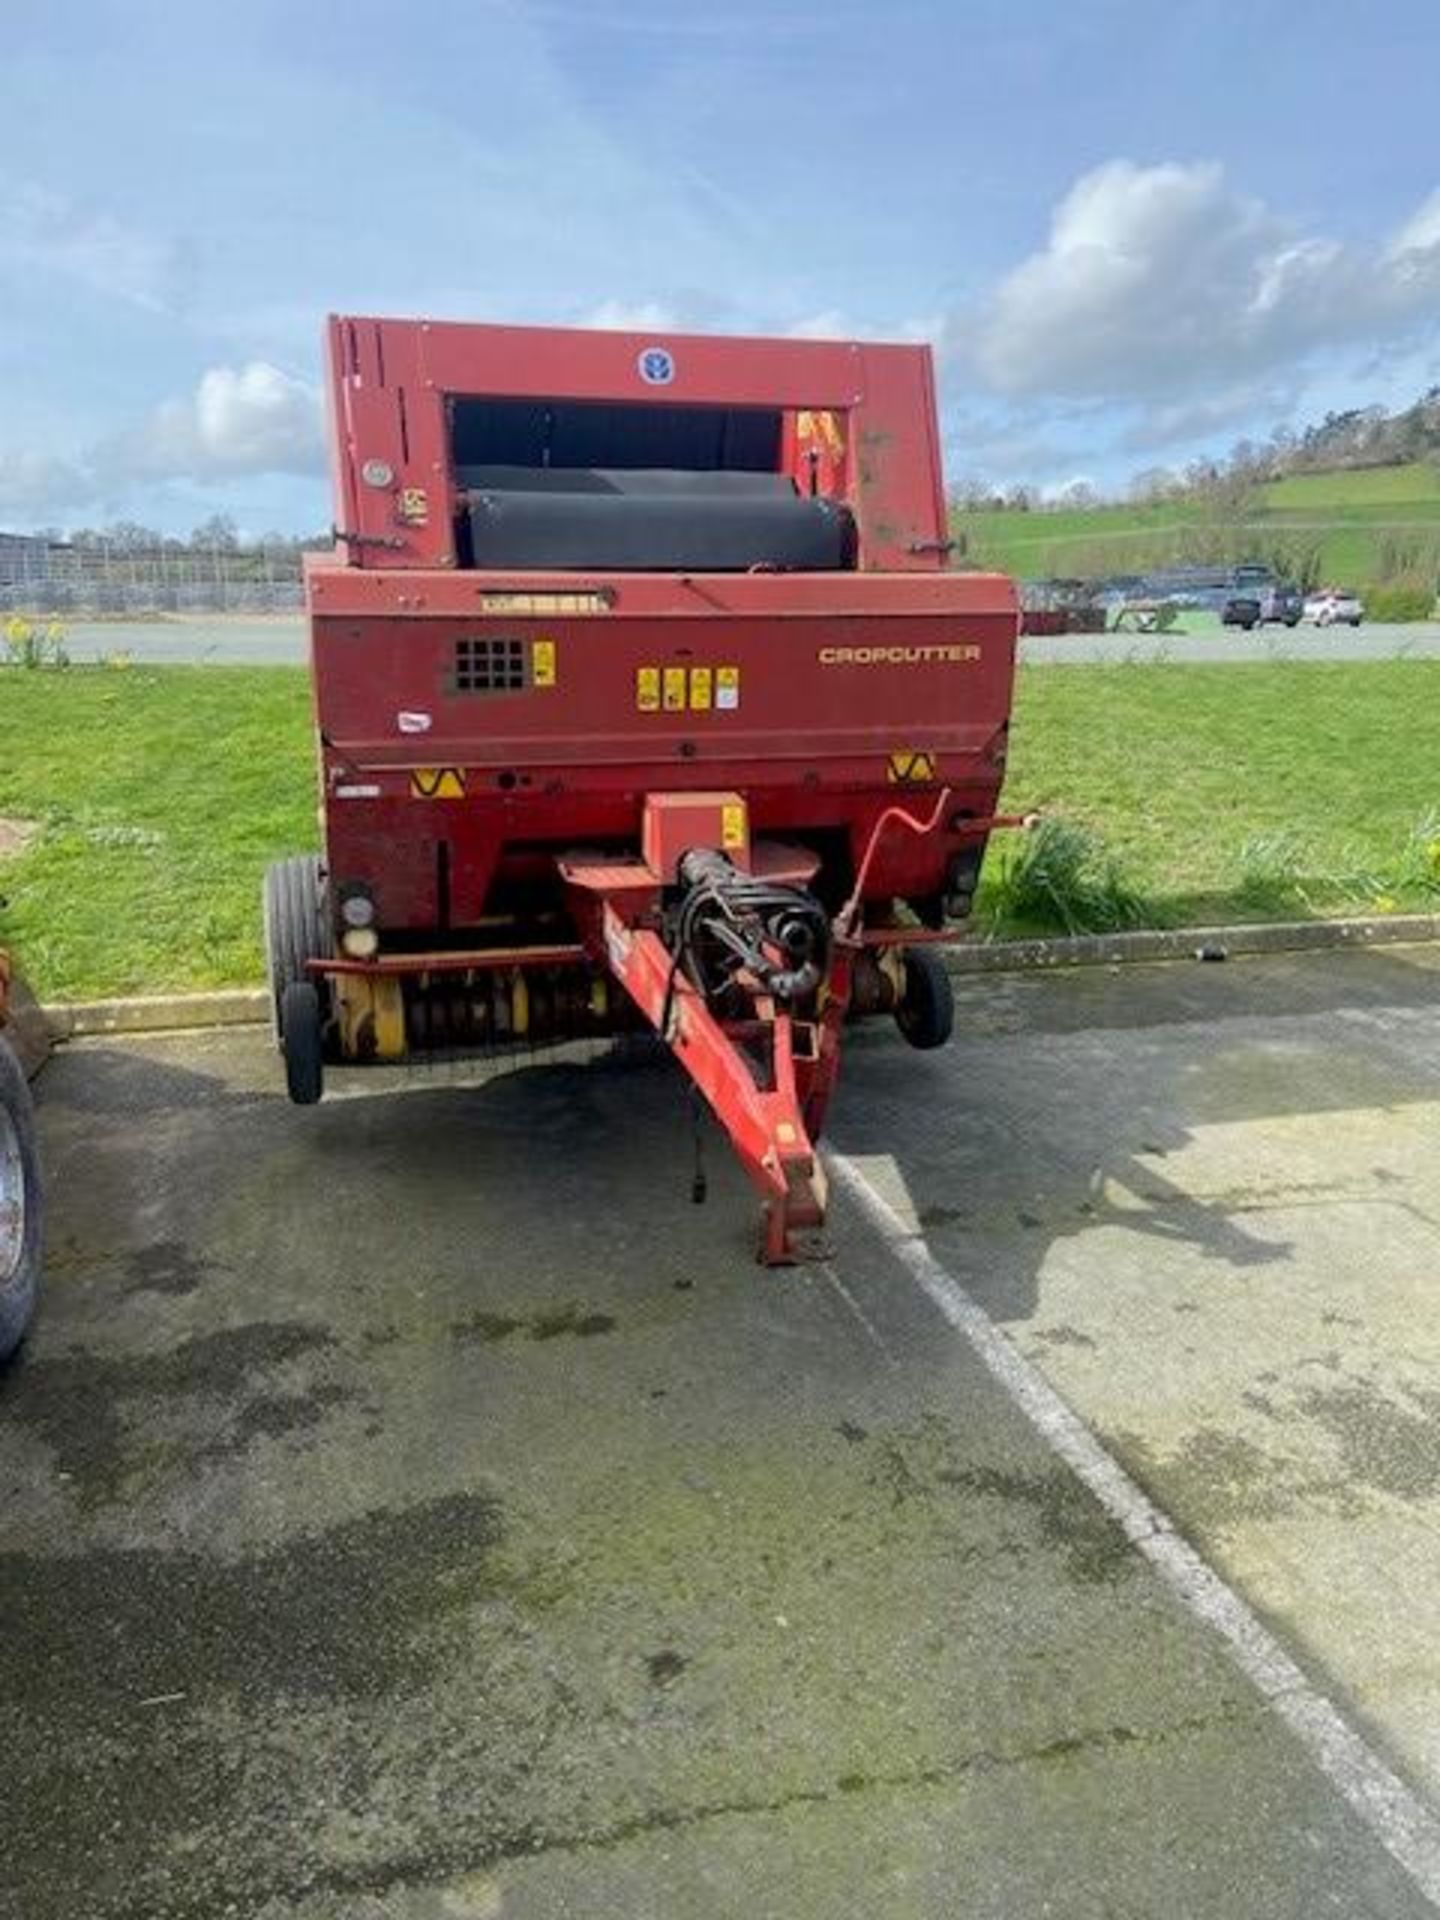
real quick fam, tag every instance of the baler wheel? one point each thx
(297, 927)
(926, 1012)
(302, 1043)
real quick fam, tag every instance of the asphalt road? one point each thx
(234, 641)
(226, 640)
(415, 1507)
(1215, 645)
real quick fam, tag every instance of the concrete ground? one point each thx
(273, 640)
(415, 1507)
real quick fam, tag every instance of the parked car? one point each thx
(1263, 606)
(1282, 606)
(1334, 606)
(21, 1200)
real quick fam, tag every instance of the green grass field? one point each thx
(1221, 793)
(160, 796)
(1347, 513)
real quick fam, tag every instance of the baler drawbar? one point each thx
(644, 694)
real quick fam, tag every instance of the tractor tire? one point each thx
(21, 1205)
(926, 1013)
(302, 1043)
(297, 927)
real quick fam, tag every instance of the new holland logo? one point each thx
(656, 366)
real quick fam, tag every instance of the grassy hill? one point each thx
(1356, 526)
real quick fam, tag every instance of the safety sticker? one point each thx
(820, 430)
(732, 826)
(675, 689)
(911, 766)
(414, 507)
(542, 663)
(437, 783)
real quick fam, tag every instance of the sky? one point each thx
(1133, 232)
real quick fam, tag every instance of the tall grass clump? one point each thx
(1060, 878)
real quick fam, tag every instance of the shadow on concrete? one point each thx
(1056, 1106)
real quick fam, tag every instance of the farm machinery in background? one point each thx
(644, 695)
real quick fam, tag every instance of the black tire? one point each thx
(926, 1013)
(21, 1206)
(297, 926)
(302, 1043)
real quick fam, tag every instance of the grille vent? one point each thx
(490, 666)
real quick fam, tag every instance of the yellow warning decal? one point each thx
(437, 783)
(911, 766)
(732, 826)
(676, 689)
(542, 663)
(819, 429)
(414, 507)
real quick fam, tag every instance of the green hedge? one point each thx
(1399, 602)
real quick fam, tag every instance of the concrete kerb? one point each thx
(1191, 943)
(247, 1007)
(158, 1013)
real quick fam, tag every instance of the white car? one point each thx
(1334, 606)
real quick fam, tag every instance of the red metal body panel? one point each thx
(673, 823)
(389, 381)
(836, 674)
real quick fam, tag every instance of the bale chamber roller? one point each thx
(644, 695)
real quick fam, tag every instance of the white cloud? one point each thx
(1421, 230)
(1250, 406)
(34, 485)
(46, 232)
(239, 420)
(639, 316)
(1164, 283)
(831, 324)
